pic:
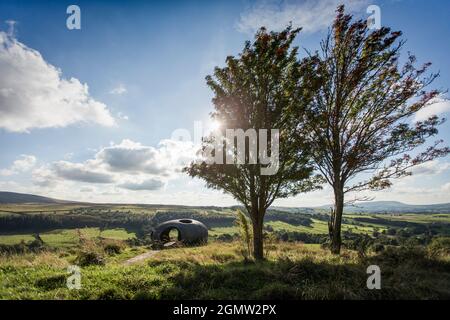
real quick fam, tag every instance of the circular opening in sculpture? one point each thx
(185, 221)
(170, 235)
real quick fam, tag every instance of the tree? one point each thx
(359, 118)
(252, 92)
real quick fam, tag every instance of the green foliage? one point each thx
(245, 234)
(89, 257)
(253, 91)
(359, 111)
(439, 246)
(217, 271)
(112, 248)
(51, 282)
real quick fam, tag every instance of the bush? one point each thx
(88, 258)
(112, 248)
(439, 246)
(225, 237)
(34, 246)
(378, 247)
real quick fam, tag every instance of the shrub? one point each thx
(378, 247)
(245, 233)
(112, 248)
(439, 246)
(225, 237)
(88, 258)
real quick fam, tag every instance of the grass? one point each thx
(218, 271)
(317, 227)
(16, 238)
(68, 237)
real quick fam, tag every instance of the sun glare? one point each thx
(215, 125)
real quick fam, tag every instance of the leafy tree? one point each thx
(360, 116)
(252, 92)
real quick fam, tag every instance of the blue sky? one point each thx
(144, 64)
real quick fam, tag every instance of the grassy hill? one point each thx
(17, 198)
(38, 241)
(219, 271)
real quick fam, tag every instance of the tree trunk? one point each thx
(336, 221)
(258, 250)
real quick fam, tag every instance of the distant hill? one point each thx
(18, 198)
(393, 207)
(363, 207)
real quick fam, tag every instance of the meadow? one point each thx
(412, 250)
(218, 271)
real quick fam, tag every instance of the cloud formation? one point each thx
(149, 184)
(33, 93)
(119, 90)
(80, 172)
(431, 168)
(23, 164)
(132, 157)
(311, 15)
(127, 165)
(436, 107)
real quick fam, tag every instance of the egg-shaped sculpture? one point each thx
(189, 231)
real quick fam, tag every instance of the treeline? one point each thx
(407, 228)
(36, 223)
(288, 217)
(139, 223)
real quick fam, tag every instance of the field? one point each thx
(68, 237)
(218, 271)
(39, 243)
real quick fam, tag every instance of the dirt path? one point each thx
(140, 257)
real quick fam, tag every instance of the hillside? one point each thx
(363, 207)
(18, 198)
(394, 207)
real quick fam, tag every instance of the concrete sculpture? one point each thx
(189, 231)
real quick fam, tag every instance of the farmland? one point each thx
(39, 241)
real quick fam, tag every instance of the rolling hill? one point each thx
(393, 207)
(363, 207)
(18, 198)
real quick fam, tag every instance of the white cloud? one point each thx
(122, 116)
(43, 177)
(23, 164)
(80, 172)
(119, 90)
(134, 158)
(127, 165)
(34, 95)
(446, 188)
(87, 189)
(431, 168)
(311, 15)
(149, 184)
(437, 107)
